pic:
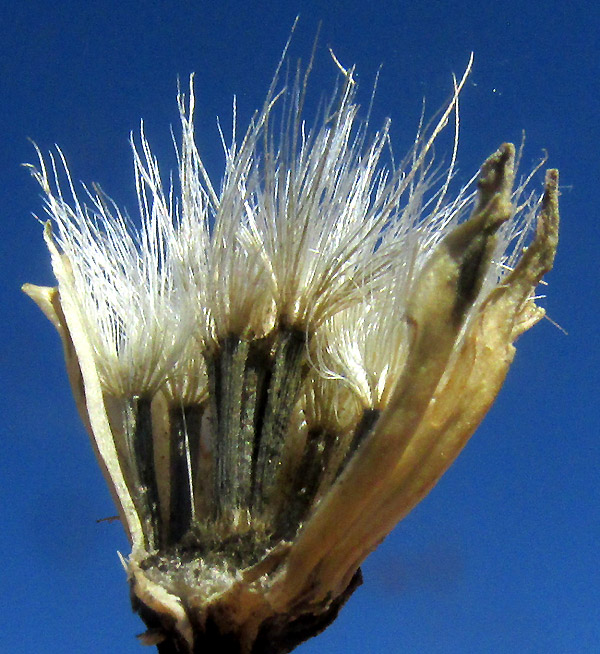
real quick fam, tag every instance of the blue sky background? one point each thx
(503, 554)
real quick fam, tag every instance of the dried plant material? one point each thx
(274, 374)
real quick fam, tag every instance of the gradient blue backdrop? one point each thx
(503, 555)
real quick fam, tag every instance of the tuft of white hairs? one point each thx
(308, 229)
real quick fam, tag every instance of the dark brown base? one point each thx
(278, 635)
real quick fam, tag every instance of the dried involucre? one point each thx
(274, 374)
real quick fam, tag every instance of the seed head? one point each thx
(275, 373)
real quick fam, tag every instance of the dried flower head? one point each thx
(273, 374)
